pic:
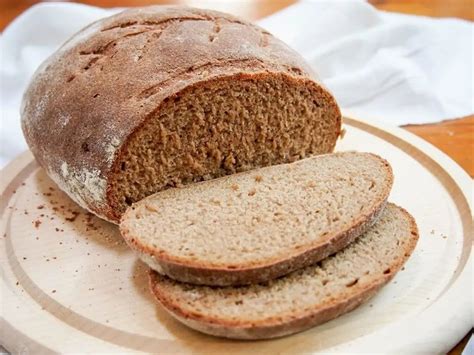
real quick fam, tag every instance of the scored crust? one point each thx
(199, 273)
(286, 324)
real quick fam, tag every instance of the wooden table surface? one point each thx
(455, 136)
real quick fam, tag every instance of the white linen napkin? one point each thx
(398, 68)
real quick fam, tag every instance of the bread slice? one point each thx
(306, 297)
(259, 225)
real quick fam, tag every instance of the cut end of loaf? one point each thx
(221, 127)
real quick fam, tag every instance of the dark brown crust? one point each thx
(202, 274)
(80, 109)
(289, 323)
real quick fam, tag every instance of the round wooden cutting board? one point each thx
(69, 283)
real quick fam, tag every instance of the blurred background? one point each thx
(255, 9)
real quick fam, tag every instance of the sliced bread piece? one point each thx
(259, 225)
(298, 301)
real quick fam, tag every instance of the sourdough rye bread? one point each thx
(300, 300)
(261, 224)
(158, 97)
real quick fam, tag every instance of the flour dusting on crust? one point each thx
(111, 148)
(85, 186)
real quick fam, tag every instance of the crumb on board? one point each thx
(74, 216)
(37, 223)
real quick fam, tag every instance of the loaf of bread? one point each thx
(159, 97)
(306, 297)
(261, 224)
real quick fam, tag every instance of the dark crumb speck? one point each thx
(37, 223)
(42, 215)
(17, 283)
(53, 291)
(23, 184)
(26, 212)
(75, 214)
(56, 229)
(24, 258)
(40, 207)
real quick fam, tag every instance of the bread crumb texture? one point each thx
(260, 216)
(368, 262)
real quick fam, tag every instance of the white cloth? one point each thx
(403, 69)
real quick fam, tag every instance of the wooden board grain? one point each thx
(66, 272)
(454, 137)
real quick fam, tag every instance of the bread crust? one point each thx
(80, 110)
(286, 324)
(198, 273)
